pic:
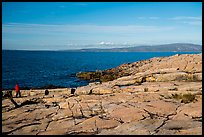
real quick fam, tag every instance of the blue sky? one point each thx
(75, 25)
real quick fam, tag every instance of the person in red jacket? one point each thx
(18, 93)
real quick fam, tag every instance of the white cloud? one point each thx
(153, 18)
(141, 18)
(186, 18)
(53, 29)
(190, 20)
(105, 43)
(193, 22)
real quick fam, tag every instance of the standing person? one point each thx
(18, 93)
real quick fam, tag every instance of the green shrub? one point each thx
(185, 98)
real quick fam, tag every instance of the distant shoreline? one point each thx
(172, 47)
(100, 51)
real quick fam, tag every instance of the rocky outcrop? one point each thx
(186, 63)
(159, 100)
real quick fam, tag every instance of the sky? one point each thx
(76, 25)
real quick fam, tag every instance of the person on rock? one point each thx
(46, 92)
(73, 90)
(18, 93)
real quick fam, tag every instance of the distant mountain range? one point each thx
(175, 47)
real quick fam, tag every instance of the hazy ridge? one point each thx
(175, 47)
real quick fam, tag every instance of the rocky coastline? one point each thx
(159, 96)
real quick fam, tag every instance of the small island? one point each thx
(158, 96)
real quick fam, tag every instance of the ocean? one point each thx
(35, 69)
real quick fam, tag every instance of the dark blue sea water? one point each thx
(59, 68)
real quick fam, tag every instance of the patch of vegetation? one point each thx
(108, 77)
(89, 75)
(145, 89)
(98, 75)
(185, 98)
(193, 78)
(188, 78)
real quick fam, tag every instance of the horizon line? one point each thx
(138, 45)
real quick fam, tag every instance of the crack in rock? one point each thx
(165, 120)
(6, 133)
